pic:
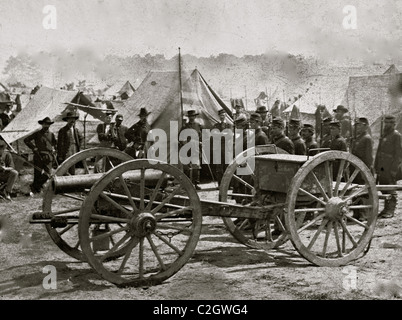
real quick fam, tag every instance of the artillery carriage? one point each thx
(137, 222)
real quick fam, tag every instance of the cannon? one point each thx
(137, 222)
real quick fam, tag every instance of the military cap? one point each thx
(278, 121)
(294, 122)
(46, 121)
(309, 127)
(390, 118)
(362, 121)
(221, 111)
(119, 117)
(255, 117)
(341, 108)
(71, 115)
(335, 123)
(262, 109)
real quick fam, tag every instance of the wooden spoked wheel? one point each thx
(234, 188)
(331, 208)
(158, 230)
(69, 204)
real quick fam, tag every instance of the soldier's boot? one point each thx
(392, 207)
(389, 208)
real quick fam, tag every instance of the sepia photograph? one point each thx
(218, 152)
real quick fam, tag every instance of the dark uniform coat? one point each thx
(284, 143)
(46, 145)
(120, 141)
(388, 157)
(69, 142)
(339, 143)
(326, 141)
(221, 167)
(300, 146)
(363, 149)
(311, 144)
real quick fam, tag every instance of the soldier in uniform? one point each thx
(8, 174)
(362, 147)
(325, 141)
(69, 140)
(222, 129)
(43, 144)
(337, 141)
(265, 124)
(260, 138)
(298, 142)
(346, 124)
(307, 133)
(137, 136)
(387, 161)
(192, 170)
(279, 138)
(120, 140)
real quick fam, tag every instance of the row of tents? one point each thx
(164, 92)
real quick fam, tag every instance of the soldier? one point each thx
(337, 141)
(120, 141)
(43, 144)
(298, 142)
(260, 137)
(265, 124)
(8, 174)
(105, 131)
(223, 128)
(362, 148)
(346, 124)
(307, 133)
(325, 141)
(279, 138)
(387, 161)
(69, 140)
(192, 170)
(137, 136)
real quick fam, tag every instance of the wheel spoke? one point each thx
(327, 233)
(178, 251)
(113, 249)
(102, 218)
(155, 191)
(280, 224)
(357, 222)
(312, 196)
(141, 259)
(329, 176)
(319, 185)
(155, 250)
(338, 177)
(142, 189)
(338, 244)
(127, 191)
(108, 234)
(66, 229)
(167, 199)
(311, 222)
(345, 229)
(172, 213)
(320, 228)
(115, 204)
(349, 182)
(243, 182)
(356, 193)
(86, 167)
(127, 255)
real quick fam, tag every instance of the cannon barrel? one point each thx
(78, 183)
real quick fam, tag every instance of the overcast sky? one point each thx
(203, 27)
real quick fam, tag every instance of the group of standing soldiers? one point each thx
(338, 133)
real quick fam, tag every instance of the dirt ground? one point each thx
(221, 268)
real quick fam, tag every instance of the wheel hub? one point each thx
(143, 224)
(336, 208)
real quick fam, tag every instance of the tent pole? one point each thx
(181, 93)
